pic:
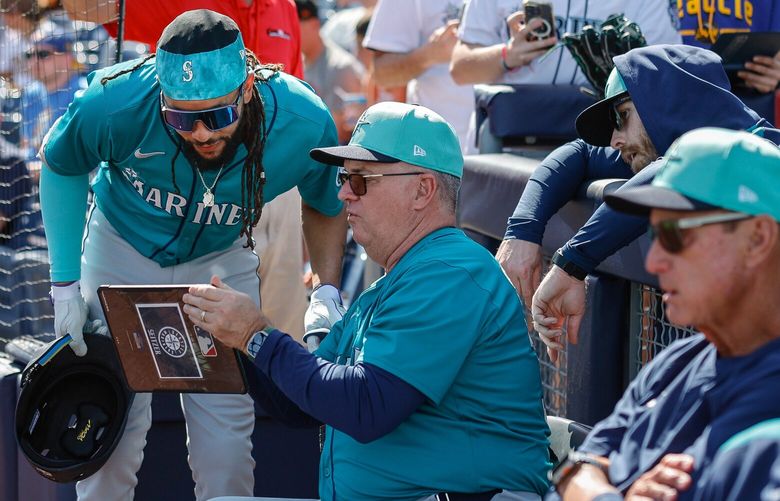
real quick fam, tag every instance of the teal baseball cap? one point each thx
(595, 123)
(707, 169)
(390, 132)
(200, 55)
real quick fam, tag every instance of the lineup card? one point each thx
(159, 347)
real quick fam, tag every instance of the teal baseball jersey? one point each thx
(118, 128)
(446, 320)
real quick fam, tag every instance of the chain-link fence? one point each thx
(650, 330)
(45, 57)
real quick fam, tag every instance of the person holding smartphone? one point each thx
(701, 23)
(497, 43)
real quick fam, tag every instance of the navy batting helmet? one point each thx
(72, 410)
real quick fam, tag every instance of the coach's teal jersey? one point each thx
(118, 127)
(447, 321)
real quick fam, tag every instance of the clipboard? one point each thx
(737, 48)
(160, 349)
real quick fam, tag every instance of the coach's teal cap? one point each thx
(390, 132)
(595, 124)
(707, 169)
(200, 55)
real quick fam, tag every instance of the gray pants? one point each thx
(219, 427)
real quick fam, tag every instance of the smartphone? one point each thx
(543, 11)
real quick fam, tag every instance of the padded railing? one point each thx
(621, 331)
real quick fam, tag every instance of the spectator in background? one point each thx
(25, 307)
(412, 42)
(701, 22)
(17, 22)
(334, 73)
(714, 209)
(429, 383)
(52, 63)
(270, 27)
(340, 26)
(271, 30)
(373, 92)
(649, 121)
(495, 43)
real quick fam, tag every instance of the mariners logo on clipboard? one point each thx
(163, 324)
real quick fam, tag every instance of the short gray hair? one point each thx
(449, 186)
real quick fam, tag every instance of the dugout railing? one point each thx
(624, 325)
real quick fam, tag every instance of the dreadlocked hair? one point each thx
(105, 79)
(253, 172)
(255, 134)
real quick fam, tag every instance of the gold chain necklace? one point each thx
(208, 195)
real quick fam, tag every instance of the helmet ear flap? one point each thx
(72, 411)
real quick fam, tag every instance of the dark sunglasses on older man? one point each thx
(213, 118)
(670, 232)
(357, 182)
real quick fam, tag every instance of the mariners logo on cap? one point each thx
(187, 68)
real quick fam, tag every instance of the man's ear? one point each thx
(426, 190)
(764, 240)
(248, 84)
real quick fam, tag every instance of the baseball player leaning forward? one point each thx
(189, 144)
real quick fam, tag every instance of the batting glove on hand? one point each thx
(70, 315)
(325, 309)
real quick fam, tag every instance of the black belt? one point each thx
(467, 496)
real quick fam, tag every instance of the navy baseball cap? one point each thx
(53, 35)
(200, 55)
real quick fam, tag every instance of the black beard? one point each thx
(231, 146)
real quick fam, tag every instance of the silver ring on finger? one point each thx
(202, 315)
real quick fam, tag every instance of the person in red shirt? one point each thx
(270, 27)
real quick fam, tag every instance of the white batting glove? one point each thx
(325, 309)
(70, 315)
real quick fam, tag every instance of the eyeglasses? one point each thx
(214, 118)
(357, 182)
(38, 54)
(670, 232)
(618, 122)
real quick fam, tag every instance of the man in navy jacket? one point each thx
(656, 94)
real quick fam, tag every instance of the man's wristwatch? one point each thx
(568, 266)
(571, 465)
(256, 342)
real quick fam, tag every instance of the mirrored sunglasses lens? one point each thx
(180, 121)
(220, 118)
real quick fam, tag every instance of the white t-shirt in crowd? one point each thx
(401, 26)
(484, 23)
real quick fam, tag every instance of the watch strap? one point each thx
(256, 342)
(569, 267)
(571, 464)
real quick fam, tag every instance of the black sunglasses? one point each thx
(357, 182)
(214, 118)
(670, 232)
(38, 54)
(617, 118)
